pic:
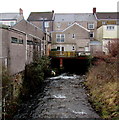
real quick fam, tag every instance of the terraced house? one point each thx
(44, 21)
(73, 33)
(54, 34)
(107, 28)
(11, 19)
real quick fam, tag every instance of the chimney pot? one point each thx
(20, 11)
(94, 10)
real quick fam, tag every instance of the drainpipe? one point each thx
(26, 47)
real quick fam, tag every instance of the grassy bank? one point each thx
(103, 84)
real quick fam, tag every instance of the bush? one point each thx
(113, 47)
(35, 73)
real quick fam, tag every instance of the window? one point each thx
(14, 40)
(29, 42)
(73, 36)
(58, 48)
(86, 48)
(46, 24)
(103, 23)
(110, 27)
(62, 48)
(91, 34)
(90, 26)
(60, 37)
(73, 48)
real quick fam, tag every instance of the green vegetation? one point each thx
(19, 86)
(35, 74)
(10, 93)
(103, 82)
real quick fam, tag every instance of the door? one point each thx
(62, 49)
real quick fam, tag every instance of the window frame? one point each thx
(13, 40)
(60, 38)
(89, 24)
(58, 48)
(46, 24)
(110, 27)
(73, 36)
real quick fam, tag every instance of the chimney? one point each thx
(20, 11)
(52, 11)
(94, 10)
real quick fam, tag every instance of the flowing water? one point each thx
(63, 97)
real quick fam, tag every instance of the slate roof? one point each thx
(107, 15)
(72, 17)
(40, 16)
(9, 16)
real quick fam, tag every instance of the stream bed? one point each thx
(63, 97)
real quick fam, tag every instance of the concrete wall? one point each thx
(17, 55)
(99, 33)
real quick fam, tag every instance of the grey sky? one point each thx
(59, 6)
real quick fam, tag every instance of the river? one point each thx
(64, 96)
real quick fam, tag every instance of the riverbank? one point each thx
(102, 82)
(20, 87)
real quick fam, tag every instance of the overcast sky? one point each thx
(59, 6)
